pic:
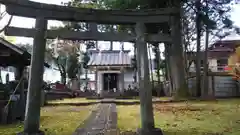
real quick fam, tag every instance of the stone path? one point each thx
(102, 121)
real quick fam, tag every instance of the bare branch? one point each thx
(3, 14)
(9, 22)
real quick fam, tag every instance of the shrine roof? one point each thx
(12, 55)
(109, 58)
(7, 45)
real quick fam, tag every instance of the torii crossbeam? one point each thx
(64, 13)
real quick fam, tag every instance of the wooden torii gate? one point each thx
(44, 12)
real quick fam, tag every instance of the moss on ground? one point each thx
(219, 117)
(59, 120)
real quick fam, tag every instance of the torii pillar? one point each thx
(147, 118)
(32, 115)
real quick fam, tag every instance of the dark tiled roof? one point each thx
(221, 49)
(109, 58)
(219, 54)
(226, 43)
(18, 55)
(211, 54)
(11, 46)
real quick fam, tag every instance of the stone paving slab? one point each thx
(102, 121)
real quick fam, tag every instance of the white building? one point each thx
(112, 69)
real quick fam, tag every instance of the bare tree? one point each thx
(2, 15)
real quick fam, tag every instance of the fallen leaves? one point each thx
(60, 120)
(180, 108)
(220, 117)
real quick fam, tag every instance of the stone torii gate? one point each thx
(44, 12)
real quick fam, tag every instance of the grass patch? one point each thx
(85, 100)
(137, 99)
(219, 117)
(72, 100)
(59, 120)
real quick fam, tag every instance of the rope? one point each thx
(5, 108)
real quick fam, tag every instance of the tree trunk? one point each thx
(79, 76)
(168, 68)
(135, 70)
(157, 62)
(186, 42)
(205, 70)
(151, 67)
(63, 78)
(74, 84)
(86, 78)
(176, 56)
(1, 81)
(111, 42)
(198, 55)
(157, 54)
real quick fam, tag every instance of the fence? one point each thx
(220, 85)
(211, 68)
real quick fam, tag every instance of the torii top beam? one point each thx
(55, 12)
(76, 35)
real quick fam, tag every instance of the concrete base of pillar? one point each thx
(39, 133)
(155, 131)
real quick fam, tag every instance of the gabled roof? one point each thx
(109, 58)
(211, 54)
(17, 55)
(232, 44)
(221, 49)
(11, 46)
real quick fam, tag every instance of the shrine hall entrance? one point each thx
(110, 81)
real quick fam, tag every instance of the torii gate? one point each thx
(44, 12)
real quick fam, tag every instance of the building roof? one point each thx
(232, 44)
(220, 49)
(109, 58)
(12, 55)
(211, 55)
(11, 46)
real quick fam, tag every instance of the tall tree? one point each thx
(205, 58)
(85, 60)
(151, 65)
(213, 18)
(65, 55)
(198, 55)
(156, 51)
